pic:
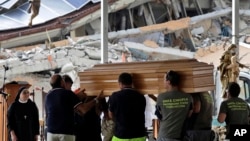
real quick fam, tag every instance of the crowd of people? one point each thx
(75, 116)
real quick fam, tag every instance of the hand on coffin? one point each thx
(82, 108)
(99, 96)
(80, 93)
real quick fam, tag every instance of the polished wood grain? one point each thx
(148, 76)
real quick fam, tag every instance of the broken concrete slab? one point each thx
(210, 15)
(198, 30)
(76, 52)
(150, 43)
(215, 28)
(247, 40)
(242, 25)
(167, 27)
(163, 50)
(84, 62)
(93, 53)
(61, 54)
(39, 56)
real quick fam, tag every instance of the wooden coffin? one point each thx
(148, 76)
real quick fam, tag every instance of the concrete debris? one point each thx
(210, 15)
(244, 45)
(67, 67)
(198, 30)
(61, 54)
(80, 56)
(3, 56)
(140, 44)
(215, 28)
(93, 53)
(150, 43)
(29, 61)
(71, 41)
(167, 27)
(220, 4)
(247, 40)
(170, 52)
(150, 38)
(206, 42)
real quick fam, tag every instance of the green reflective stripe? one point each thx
(133, 139)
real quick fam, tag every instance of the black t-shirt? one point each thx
(128, 108)
(237, 112)
(59, 106)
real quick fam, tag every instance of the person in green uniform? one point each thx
(234, 110)
(173, 107)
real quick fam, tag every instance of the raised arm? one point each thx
(82, 108)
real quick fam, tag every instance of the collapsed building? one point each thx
(143, 30)
(83, 18)
(158, 24)
(138, 29)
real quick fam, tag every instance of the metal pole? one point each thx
(104, 31)
(235, 25)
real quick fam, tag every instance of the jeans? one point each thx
(60, 137)
(167, 139)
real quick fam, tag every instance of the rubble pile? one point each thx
(40, 59)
